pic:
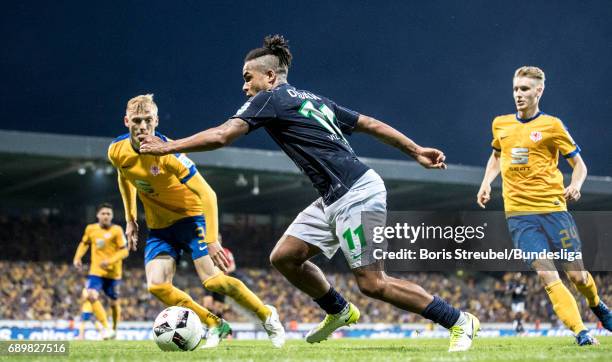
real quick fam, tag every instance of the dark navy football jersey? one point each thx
(311, 130)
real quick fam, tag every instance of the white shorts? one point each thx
(518, 307)
(340, 224)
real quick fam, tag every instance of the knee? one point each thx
(289, 253)
(280, 259)
(373, 286)
(92, 295)
(548, 276)
(580, 279)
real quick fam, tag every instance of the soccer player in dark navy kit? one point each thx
(311, 129)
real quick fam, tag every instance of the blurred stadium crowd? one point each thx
(38, 282)
(48, 291)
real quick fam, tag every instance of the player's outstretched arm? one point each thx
(427, 157)
(128, 196)
(200, 187)
(207, 140)
(491, 172)
(579, 174)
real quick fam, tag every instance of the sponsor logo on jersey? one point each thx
(520, 155)
(535, 136)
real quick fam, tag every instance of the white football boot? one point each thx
(274, 328)
(462, 335)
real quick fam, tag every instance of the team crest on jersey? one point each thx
(154, 170)
(535, 136)
(107, 235)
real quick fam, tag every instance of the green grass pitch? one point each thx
(485, 349)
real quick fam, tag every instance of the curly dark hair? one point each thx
(275, 45)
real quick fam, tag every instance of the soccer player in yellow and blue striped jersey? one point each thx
(181, 213)
(108, 249)
(526, 147)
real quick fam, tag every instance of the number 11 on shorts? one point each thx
(348, 237)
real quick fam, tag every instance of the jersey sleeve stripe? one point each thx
(120, 138)
(573, 153)
(192, 171)
(163, 138)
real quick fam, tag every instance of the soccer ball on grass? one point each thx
(177, 329)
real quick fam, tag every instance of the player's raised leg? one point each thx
(160, 272)
(215, 280)
(291, 258)
(408, 296)
(584, 282)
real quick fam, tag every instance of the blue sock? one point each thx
(441, 312)
(332, 302)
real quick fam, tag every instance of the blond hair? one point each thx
(530, 72)
(141, 104)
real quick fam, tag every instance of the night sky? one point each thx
(437, 70)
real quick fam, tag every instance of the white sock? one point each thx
(462, 319)
(345, 309)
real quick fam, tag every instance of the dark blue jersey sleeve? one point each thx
(347, 119)
(257, 111)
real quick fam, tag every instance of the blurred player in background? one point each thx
(108, 249)
(518, 296)
(181, 213)
(526, 147)
(311, 130)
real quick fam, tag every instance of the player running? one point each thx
(311, 130)
(181, 213)
(518, 291)
(108, 249)
(526, 148)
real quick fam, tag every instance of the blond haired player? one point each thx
(181, 213)
(108, 249)
(526, 148)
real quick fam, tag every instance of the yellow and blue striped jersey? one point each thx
(160, 181)
(532, 181)
(104, 243)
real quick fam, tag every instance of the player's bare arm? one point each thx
(202, 189)
(128, 196)
(492, 170)
(427, 157)
(579, 174)
(207, 140)
(78, 255)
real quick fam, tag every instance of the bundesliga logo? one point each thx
(535, 136)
